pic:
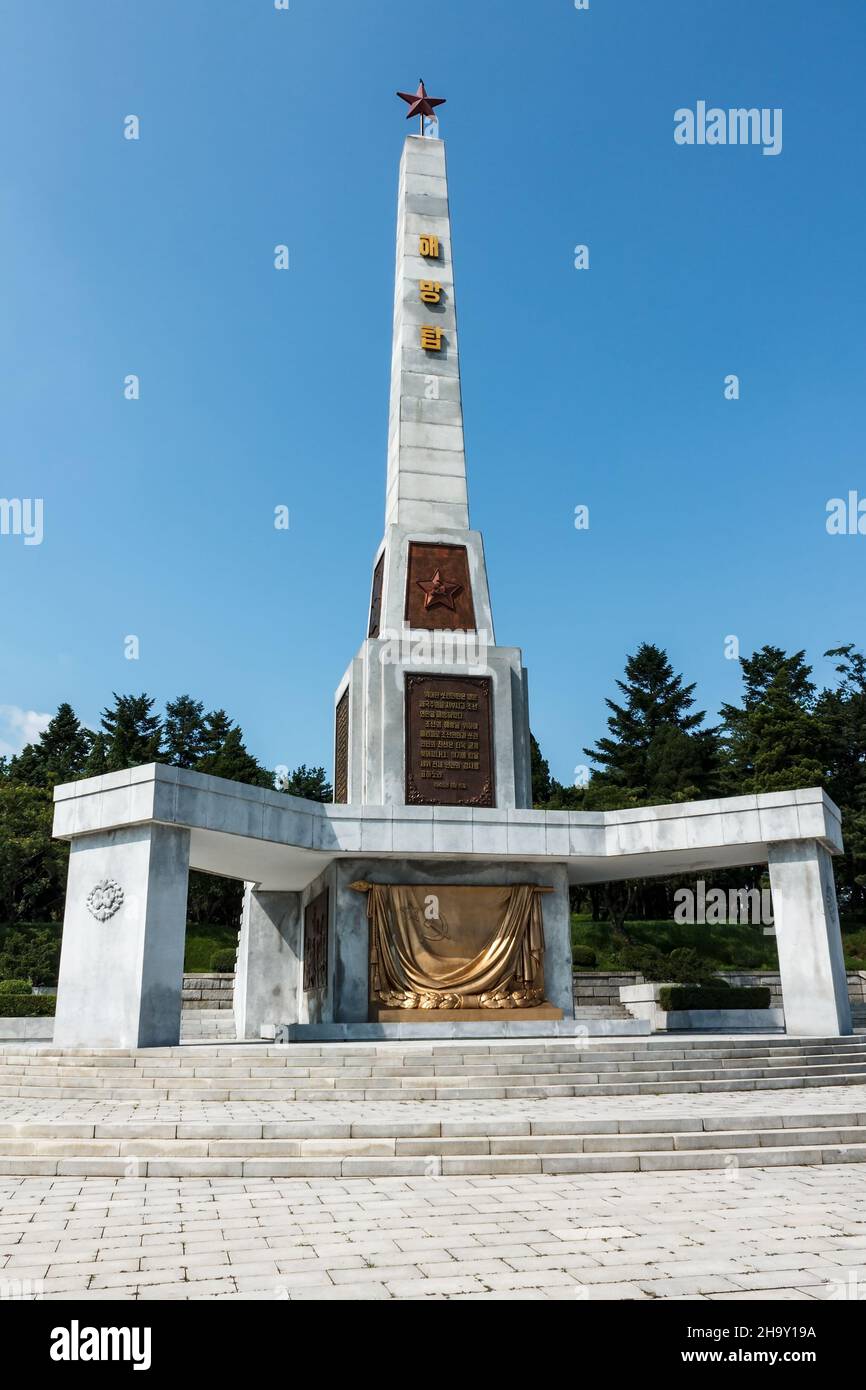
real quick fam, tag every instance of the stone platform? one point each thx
(548, 1012)
(495, 1028)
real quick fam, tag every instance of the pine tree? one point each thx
(132, 734)
(774, 741)
(215, 730)
(657, 750)
(230, 758)
(59, 754)
(842, 713)
(183, 732)
(309, 782)
(542, 783)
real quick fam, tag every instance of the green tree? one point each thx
(656, 750)
(59, 754)
(131, 735)
(183, 732)
(309, 782)
(842, 713)
(230, 758)
(542, 782)
(774, 741)
(32, 865)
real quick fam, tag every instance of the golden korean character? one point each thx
(431, 339)
(431, 291)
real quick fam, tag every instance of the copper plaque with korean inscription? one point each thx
(449, 741)
(341, 750)
(316, 943)
(376, 597)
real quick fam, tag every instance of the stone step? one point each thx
(396, 1126)
(433, 1165)
(348, 1054)
(147, 1145)
(249, 1073)
(216, 1060)
(249, 1094)
(478, 1048)
(345, 1080)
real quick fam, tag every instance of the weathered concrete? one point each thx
(811, 959)
(725, 1020)
(121, 978)
(270, 960)
(286, 845)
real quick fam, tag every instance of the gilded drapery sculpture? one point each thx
(452, 947)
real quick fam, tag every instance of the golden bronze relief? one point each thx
(455, 947)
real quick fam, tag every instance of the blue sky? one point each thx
(602, 387)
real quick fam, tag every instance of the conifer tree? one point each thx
(309, 782)
(59, 754)
(183, 732)
(774, 740)
(657, 750)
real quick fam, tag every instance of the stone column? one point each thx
(268, 975)
(124, 928)
(558, 966)
(811, 962)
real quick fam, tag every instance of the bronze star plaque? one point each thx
(438, 591)
(449, 741)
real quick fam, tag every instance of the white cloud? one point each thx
(19, 726)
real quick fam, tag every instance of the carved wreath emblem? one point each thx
(104, 899)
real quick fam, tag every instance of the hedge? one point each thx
(223, 962)
(714, 997)
(15, 987)
(584, 957)
(27, 1005)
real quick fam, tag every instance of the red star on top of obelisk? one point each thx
(420, 104)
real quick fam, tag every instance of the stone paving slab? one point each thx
(795, 1234)
(722, 1104)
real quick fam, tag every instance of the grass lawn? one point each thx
(732, 947)
(202, 940)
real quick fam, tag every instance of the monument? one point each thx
(429, 899)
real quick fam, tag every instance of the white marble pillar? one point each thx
(426, 452)
(268, 977)
(811, 961)
(124, 928)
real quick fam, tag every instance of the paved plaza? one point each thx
(796, 1233)
(732, 1234)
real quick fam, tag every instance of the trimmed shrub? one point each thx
(584, 957)
(15, 987)
(646, 960)
(715, 996)
(27, 1005)
(686, 967)
(223, 962)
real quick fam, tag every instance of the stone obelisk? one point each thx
(431, 712)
